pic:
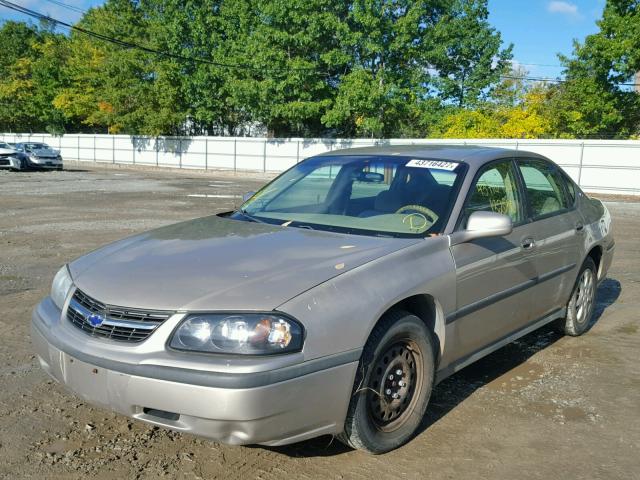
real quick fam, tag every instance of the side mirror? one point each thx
(483, 225)
(246, 196)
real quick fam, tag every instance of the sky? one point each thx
(538, 29)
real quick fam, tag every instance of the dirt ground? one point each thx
(545, 407)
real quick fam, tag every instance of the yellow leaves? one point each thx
(105, 107)
(469, 124)
(63, 101)
(115, 128)
(523, 123)
(18, 86)
(527, 120)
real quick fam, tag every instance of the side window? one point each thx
(544, 187)
(495, 190)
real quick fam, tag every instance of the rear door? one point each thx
(493, 275)
(557, 233)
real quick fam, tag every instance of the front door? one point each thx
(493, 274)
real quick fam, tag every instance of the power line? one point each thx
(132, 45)
(67, 6)
(515, 62)
(556, 80)
(136, 46)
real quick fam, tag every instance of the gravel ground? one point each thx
(544, 407)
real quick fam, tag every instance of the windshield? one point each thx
(36, 146)
(369, 195)
(4, 145)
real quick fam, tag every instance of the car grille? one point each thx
(4, 161)
(118, 323)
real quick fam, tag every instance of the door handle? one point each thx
(579, 227)
(528, 243)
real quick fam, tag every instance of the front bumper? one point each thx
(273, 407)
(10, 162)
(45, 162)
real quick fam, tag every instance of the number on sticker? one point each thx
(435, 164)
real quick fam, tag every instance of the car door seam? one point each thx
(496, 297)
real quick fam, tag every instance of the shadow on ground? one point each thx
(455, 389)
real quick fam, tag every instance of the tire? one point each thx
(582, 301)
(383, 413)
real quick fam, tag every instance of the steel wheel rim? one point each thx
(395, 379)
(583, 297)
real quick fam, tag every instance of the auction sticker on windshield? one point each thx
(436, 164)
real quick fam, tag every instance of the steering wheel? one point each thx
(427, 212)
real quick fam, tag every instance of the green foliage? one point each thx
(376, 68)
(470, 63)
(30, 74)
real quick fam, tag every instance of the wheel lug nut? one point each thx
(401, 383)
(395, 395)
(398, 372)
(391, 377)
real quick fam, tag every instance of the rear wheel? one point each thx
(582, 301)
(392, 386)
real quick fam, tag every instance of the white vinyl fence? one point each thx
(602, 166)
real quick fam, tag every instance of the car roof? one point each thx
(472, 154)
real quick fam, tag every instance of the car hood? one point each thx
(44, 152)
(216, 263)
(6, 151)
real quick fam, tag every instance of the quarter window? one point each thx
(495, 190)
(571, 189)
(544, 187)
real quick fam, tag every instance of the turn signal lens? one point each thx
(248, 334)
(60, 286)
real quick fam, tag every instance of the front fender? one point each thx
(339, 314)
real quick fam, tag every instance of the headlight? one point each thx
(245, 334)
(60, 287)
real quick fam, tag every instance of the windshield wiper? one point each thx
(250, 217)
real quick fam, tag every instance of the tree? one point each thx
(467, 54)
(591, 102)
(30, 74)
(294, 53)
(119, 89)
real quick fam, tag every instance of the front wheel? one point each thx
(392, 386)
(582, 301)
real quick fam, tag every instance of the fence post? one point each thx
(78, 159)
(206, 153)
(180, 150)
(94, 148)
(580, 166)
(298, 151)
(156, 147)
(264, 156)
(133, 143)
(113, 149)
(235, 155)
